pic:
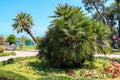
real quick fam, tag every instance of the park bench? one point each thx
(10, 47)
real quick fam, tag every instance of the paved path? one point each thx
(35, 52)
(20, 54)
(109, 55)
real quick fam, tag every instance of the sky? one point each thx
(39, 9)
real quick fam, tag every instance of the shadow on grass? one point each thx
(39, 66)
(43, 67)
(46, 69)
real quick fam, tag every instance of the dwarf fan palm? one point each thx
(70, 39)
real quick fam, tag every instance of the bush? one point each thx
(11, 39)
(13, 60)
(2, 41)
(72, 39)
(2, 48)
(8, 75)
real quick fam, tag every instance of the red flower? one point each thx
(69, 72)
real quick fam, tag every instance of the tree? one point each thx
(11, 39)
(97, 5)
(38, 39)
(68, 40)
(23, 22)
(22, 40)
(108, 13)
(28, 41)
(116, 10)
(2, 40)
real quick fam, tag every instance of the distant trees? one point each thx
(23, 22)
(38, 39)
(27, 41)
(11, 39)
(2, 42)
(98, 5)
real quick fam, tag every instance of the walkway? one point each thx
(20, 54)
(109, 55)
(35, 52)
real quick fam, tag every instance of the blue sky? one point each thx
(39, 9)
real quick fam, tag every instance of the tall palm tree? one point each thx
(23, 22)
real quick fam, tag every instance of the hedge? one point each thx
(9, 75)
(13, 60)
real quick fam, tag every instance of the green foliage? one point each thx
(72, 38)
(38, 39)
(13, 60)
(11, 39)
(2, 41)
(2, 48)
(8, 75)
(28, 40)
(22, 40)
(90, 4)
(38, 42)
(7, 53)
(98, 5)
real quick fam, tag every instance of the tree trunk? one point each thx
(30, 33)
(104, 19)
(119, 28)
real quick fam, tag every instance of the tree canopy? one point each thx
(11, 39)
(23, 22)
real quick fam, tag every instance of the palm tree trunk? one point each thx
(104, 19)
(30, 33)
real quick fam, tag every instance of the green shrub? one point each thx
(13, 60)
(11, 39)
(8, 75)
(72, 38)
(2, 41)
(2, 48)
(3, 63)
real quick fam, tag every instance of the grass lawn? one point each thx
(34, 69)
(26, 48)
(7, 53)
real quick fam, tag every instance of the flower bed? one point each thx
(110, 70)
